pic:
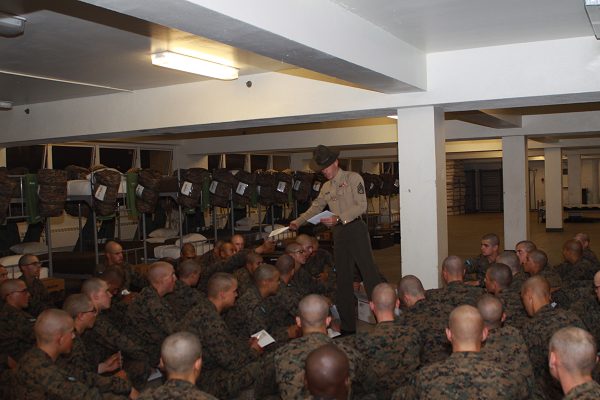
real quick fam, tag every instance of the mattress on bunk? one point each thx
(82, 187)
(173, 251)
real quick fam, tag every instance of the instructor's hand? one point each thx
(330, 221)
(294, 226)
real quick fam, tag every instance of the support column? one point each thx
(423, 217)
(515, 176)
(574, 180)
(553, 189)
(595, 182)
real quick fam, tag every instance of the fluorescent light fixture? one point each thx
(592, 8)
(393, 116)
(11, 26)
(6, 105)
(194, 65)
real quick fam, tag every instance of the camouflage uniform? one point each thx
(321, 261)
(244, 280)
(456, 293)
(117, 313)
(150, 322)
(513, 307)
(582, 270)
(391, 352)
(551, 276)
(537, 334)
(506, 348)
(430, 319)
(40, 299)
(589, 312)
(290, 359)
(476, 268)
(250, 314)
(82, 365)
(176, 389)
(133, 281)
(238, 260)
(183, 299)
(105, 339)
(38, 378)
(589, 255)
(284, 305)
(229, 365)
(586, 391)
(303, 282)
(463, 375)
(16, 331)
(518, 280)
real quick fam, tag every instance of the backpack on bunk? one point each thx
(283, 187)
(52, 192)
(388, 185)
(105, 187)
(191, 186)
(372, 184)
(265, 184)
(302, 185)
(75, 172)
(317, 183)
(147, 189)
(221, 187)
(245, 188)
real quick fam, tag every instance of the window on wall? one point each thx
(62, 156)
(29, 157)
(159, 160)
(119, 159)
(235, 161)
(258, 161)
(281, 162)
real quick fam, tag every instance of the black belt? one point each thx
(353, 221)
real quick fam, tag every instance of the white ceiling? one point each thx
(441, 25)
(74, 41)
(77, 42)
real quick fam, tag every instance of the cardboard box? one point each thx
(54, 284)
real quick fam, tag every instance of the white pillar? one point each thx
(516, 190)
(423, 214)
(553, 189)
(595, 182)
(574, 181)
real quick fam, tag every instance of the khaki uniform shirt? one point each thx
(345, 195)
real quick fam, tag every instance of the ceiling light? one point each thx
(11, 26)
(592, 8)
(194, 65)
(6, 105)
(393, 116)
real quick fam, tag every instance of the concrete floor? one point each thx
(465, 231)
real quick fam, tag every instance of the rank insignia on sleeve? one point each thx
(360, 188)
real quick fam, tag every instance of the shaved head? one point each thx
(576, 349)
(27, 259)
(500, 274)
(327, 372)
(76, 304)
(180, 351)
(265, 272)
(491, 309)
(573, 246)
(10, 286)
(492, 238)
(226, 250)
(384, 297)
(466, 325)
(510, 259)
(584, 238)
(536, 286)
(410, 285)
(313, 310)
(188, 251)
(51, 324)
(238, 242)
(218, 283)
(293, 248)
(187, 268)
(93, 285)
(539, 258)
(454, 266)
(285, 264)
(158, 271)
